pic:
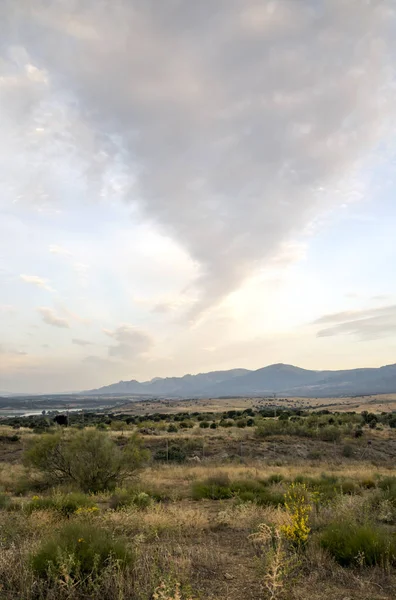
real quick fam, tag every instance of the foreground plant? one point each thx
(298, 506)
(279, 559)
(78, 551)
(166, 591)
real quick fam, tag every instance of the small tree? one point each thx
(88, 458)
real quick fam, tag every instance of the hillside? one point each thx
(273, 379)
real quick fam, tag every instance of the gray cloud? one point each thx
(80, 342)
(236, 122)
(132, 342)
(364, 324)
(51, 318)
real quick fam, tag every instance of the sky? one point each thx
(194, 186)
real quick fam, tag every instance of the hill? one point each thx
(273, 379)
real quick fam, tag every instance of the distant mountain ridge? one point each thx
(274, 379)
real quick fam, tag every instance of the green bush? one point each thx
(211, 491)
(329, 434)
(351, 544)
(213, 488)
(66, 504)
(46, 503)
(172, 454)
(89, 458)
(245, 490)
(78, 550)
(125, 497)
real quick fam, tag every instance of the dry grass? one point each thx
(376, 403)
(204, 549)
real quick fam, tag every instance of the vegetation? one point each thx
(76, 551)
(167, 507)
(88, 458)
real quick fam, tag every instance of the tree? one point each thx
(88, 458)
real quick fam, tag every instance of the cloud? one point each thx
(9, 350)
(132, 342)
(232, 147)
(37, 281)
(80, 342)
(59, 250)
(368, 324)
(51, 318)
(7, 308)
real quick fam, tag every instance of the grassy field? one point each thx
(228, 513)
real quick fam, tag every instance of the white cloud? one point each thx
(37, 281)
(59, 250)
(51, 318)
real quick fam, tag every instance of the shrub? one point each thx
(173, 454)
(388, 486)
(78, 550)
(89, 458)
(226, 423)
(213, 425)
(297, 504)
(275, 478)
(347, 451)
(66, 504)
(204, 424)
(173, 428)
(38, 503)
(124, 497)
(246, 490)
(329, 434)
(212, 491)
(367, 484)
(186, 424)
(351, 544)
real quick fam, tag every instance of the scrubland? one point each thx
(282, 508)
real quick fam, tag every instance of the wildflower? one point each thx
(298, 506)
(34, 498)
(80, 540)
(90, 510)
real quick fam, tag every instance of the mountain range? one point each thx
(282, 379)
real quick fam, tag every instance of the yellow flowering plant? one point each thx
(298, 506)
